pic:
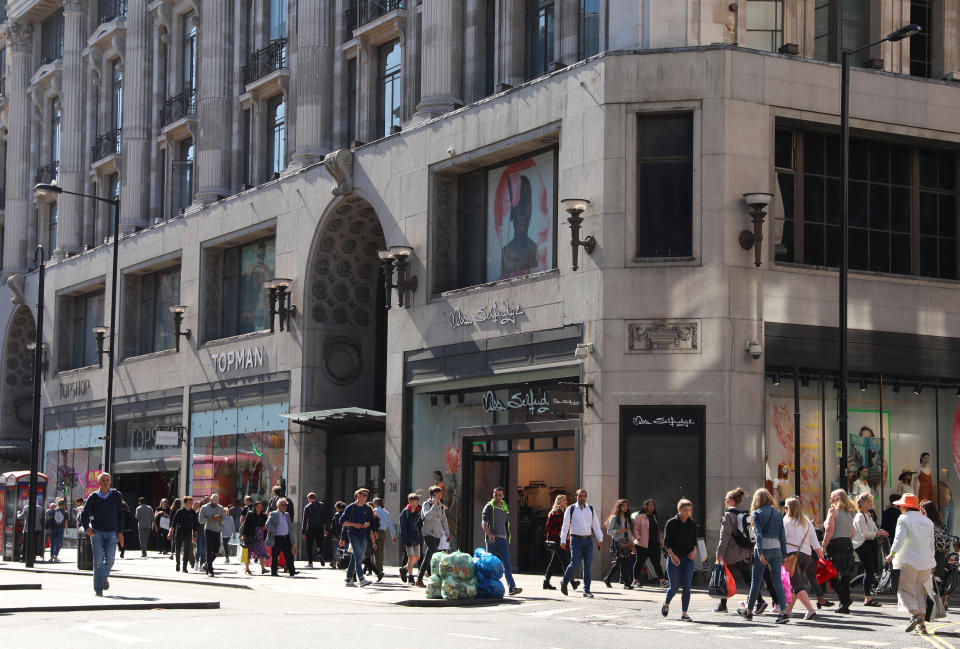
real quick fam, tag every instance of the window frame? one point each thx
(834, 36)
(779, 9)
(274, 128)
(222, 333)
(534, 10)
(154, 343)
(395, 77)
(76, 358)
(924, 62)
(582, 52)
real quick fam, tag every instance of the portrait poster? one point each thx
(256, 267)
(520, 217)
(780, 449)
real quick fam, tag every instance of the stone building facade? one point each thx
(323, 144)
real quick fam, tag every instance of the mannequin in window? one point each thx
(924, 479)
(862, 484)
(781, 486)
(945, 500)
(905, 481)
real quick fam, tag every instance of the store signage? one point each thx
(501, 315)
(167, 438)
(663, 420)
(672, 422)
(536, 401)
(239, 358)
(75, 389)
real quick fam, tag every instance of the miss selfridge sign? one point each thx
(237, 358)
(536, 401)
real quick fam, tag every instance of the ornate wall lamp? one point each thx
(278, 292)
(758, 202)
(178, 310)
(575, 207)
(32, 348)
(101, 332)
(398, 256)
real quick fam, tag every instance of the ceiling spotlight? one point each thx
(863, 385)
(896, 385)
(433, 399)
(958, 392)
(916, 389)
(776, 379)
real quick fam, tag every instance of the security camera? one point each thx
(755, 349)
(583, 350)
(450, 150)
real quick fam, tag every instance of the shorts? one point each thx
(412, 550)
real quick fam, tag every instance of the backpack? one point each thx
(570, 510)
(743, 531)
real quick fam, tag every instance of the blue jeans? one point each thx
(501, 550)
(56, 541)
(946, 513)
(581, 551)
(201, 549)
(775, 561)
(358, 547)
(680, 579)
(104, 549)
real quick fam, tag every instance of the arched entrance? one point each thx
(16, 393)
(344, 343)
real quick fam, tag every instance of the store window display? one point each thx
(923, 481)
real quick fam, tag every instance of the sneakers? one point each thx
(606, 582)
(810, 615)
(365, 582)
(665, 610)
(106, 583)
(420, 584)
(98, 593)
(588, 594)
(575, 584)
(914, 622)
(310, 565)
(685, 618)
(350, 584)
(720, 608)
(636, 583)
(760, 608)
(515, 591)
(782, 618)
(824, 604)
(403, 574)
(745, 614)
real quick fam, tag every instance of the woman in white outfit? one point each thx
(912, 554)
(801, 541)
(865, 544)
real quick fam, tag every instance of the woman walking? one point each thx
(620, 531)
(838, 539)
(680, 542)
(942, 543)
(253, 535)
(655, 540)
(736, 549)
(770, 548)
(559, 554)
(865, 544)
(912, 554)
(801, 542)
(227, 527)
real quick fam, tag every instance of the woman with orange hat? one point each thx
(912, 554)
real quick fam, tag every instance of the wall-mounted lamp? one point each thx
(100, 331)
(575, 207)
(758, 202)
(178, 310)
(32, 348)
(278, 293)
(398, 256)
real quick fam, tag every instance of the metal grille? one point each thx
(183, 105)
(47, 173)
(111, 9)
(106, 144)
(51, 38)
(262, 62)
(361, 12)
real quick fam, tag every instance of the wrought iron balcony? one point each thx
(51, 38)
(183, 105)
(111, 10)
(262, 62)
(362, 12)
(48, 173)
(106, 144)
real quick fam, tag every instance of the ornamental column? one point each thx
(441, 82)
(314, 82)
(214, 103)
(137, 92)
(17, 211)
(70, 208)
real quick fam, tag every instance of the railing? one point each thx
(47, 173)
(51, 39)
(111, 10)
(362, 12)
(106, 144)
(262, 62)
(183, 105)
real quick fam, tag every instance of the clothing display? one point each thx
(925, 484)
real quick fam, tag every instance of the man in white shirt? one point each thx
(580, 526)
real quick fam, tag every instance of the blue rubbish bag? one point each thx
(490, 588)
(487, 565)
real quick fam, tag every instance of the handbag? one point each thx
(624, 545)
(825, 571)
(550, 546)
(717, 587)
(935, 609)
(790, 561)
(731, 582)
(889, 580)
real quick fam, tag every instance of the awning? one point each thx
(342, 420)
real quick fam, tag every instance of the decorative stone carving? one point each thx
(74, 6)
(444, 231)
(662, 335)
(339, 164)
(19, 36)
(341, 360)
(15, 284)
(17, 359)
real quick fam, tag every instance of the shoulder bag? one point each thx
(790, 561)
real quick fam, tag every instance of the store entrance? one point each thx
(152, 486)
(533, 468)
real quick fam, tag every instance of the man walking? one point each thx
(580, 526)
(210, 517)
(24, 517)
(183, 531)
(279, 532)
(56, 524)
(495, 521)
(314, 527)
(434, 518)
(410, 536)
(386, 523)
(356, 521)
(102, 518)
(144, 516)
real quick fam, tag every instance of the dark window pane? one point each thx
(880, 252)
(666, 136)
(948, 215)
(813, 153)
(928, 169)
(665, 223)
(813, 244)
(858, 205)
(900, 209)
(832, 244)
(900, 254)
(858, 249)
(899, 165)
(928, 213)
(783, 149)
(948, 259)
(879, 163)
(880, 207)
(832, 201)
(858, 159)
(928, 256)
(787, 250)
(832, 155)
(813, 206)
(948, 171)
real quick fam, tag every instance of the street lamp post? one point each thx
(904, 32)
(30, 535)
(49, 188)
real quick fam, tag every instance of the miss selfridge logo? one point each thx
(673, 422)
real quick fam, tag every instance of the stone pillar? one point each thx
(70, 208)
(441, 57)
(137, 91)
(18, 209)
(213, 108)
(313, 77)
(510, 42)
(945, 41)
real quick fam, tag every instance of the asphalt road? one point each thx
(309, 613)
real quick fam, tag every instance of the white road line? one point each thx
(828, 646)
(870, 643)
(687, 632)
(673, 623)
(95, 627)
(552, 611)
(822, 638)
(650, 628)
(607, 616)
(728, 637)
(787, 642)
(476, 637)
(395, 626)
(772, 634)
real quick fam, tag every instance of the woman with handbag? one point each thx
(735, 549)
(655, 540)
(801, 543)
(942, 543)
(620, 531)
(770, 548)
(253, 535)
(559, 554)
(838, 539)
(912, 553)
(865, 544)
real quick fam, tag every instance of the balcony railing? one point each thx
(183, 105)
(106, 144)
(47, 173)
(51, 38)
(362, 12)
(262, 62)
(111, 10)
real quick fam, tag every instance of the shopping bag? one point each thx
(244, 555)
(889, 578)
(787, 588)
(935, 609)
(718, 582)
(731, 582)
(825, 571)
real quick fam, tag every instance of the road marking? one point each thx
(552, 611)
(772, 634)
(608, 616)
(784, 642)
(477, 637)
(822, 638)
(395, 626)
(687, 632)
(95, 627)
(646, 628)
(828, 646)
(728, 637)
(870, 643)
(673, 623)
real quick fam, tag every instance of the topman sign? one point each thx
(238, 358)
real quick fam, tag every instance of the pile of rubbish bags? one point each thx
(452, 576)
(489, 570)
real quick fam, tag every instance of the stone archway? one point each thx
(16, 393)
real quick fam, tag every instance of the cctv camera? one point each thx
(450, 150)
(583, 350)
(755, 349)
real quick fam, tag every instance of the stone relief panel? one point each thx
(17, 387)
(212, 272)
(664, 336)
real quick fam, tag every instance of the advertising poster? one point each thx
(780, 447)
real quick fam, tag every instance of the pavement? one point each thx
(317, 610)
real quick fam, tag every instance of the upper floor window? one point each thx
(896, 224)
(81, 314)
(116, 94)
(55, 119)
(51, 38)
(52, 217)
(840, 25)
(539, 36)
(589, 28)
(108, 10)
(245, 268)
(388, 82)
(182, 189)
(188, 24)
(665, 186)
(920, 14)
(351, 100)
(158, 292)
(277, 134)
(3, 72)
(278, 19)
(765, 24)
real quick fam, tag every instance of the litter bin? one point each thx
(84, 552)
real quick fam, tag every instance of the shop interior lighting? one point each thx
(776, 379)
(916, 389)
(863, 385)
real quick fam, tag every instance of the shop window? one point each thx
(765, 24)
(539, 37)
(897, 225)
(276, 135)
(589, 28)
(665, 186)
(840, 25)
(389, 88)
(245, 268)
(920, 14)
(503, 224)
(79, 314)
(158, 292)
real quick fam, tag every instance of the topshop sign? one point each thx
(238, 358)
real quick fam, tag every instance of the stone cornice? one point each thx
(19, 35)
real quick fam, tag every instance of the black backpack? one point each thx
(742, 531)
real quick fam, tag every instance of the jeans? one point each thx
(680, 579)
(56, 541)
(432, 543)
(185, 543)
(775, 561)
(104, 549)
(144, 533)
(201, 548)
(358, 548)
(501, 549)
(581, 551)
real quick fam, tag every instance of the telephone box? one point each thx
(14, 495)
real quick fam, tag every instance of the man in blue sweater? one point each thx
(104, 508)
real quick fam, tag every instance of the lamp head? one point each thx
(100, 330)
(904, 32)
(270, 283)
(282, 282)
(574, 204)
(401, 252)
(758, 199)
(47, 188)
(178, 308)
(385, 255)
